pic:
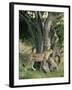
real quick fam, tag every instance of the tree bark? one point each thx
(46, 30)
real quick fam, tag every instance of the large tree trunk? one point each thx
(38, 34)
(42, 40)
(46, 30)
(38, 42)
(46, 37)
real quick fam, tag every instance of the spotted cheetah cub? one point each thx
(36, 57)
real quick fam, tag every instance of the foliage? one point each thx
(58, 26)
(32, 23)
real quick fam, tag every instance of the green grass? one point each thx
(38, 73)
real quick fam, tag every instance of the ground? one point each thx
(26, 48)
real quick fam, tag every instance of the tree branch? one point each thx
(29, 25)
(27, 19)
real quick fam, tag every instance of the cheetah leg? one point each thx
(33, 66)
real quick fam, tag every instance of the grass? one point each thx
(38, 73)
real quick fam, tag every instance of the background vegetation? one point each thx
(40, 31)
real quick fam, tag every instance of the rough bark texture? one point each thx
(46, 37)
(46, 31)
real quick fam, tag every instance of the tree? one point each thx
(40, 27)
